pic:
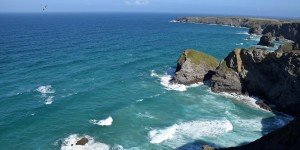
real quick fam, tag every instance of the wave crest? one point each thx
(105, 122)
(193, 130)
(69, 143)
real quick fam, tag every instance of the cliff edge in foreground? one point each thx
(285, 138)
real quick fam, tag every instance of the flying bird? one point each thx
(45, 7)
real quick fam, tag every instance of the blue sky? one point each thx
(286, 8)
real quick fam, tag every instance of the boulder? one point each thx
(271, 76)
(82, 141)
(193, 67)
(266, 40)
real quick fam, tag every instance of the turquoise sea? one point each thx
(104, 76)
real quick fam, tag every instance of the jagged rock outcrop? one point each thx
(255, 30)
(266, 40)
(285, 138)
(194, 66)
(289, 31)
(272, 76)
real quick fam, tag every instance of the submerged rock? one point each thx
(272, 76)
(194, 66)
(82, 141)
(266, 40)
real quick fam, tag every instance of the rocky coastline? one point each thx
(271, 29)
(273, 77)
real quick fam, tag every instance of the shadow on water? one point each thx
(272, 123)
(196, 145)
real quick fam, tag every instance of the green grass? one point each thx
(199, 57)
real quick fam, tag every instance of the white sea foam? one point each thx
(139, 100)
(173, 21)
(190, 130)
(106, 122)
(251, 101)
(160, 135)
(154, 74)
(246, 33)
(239, 44)
(49, 100)
(47, 89)
(69, 143)
(145, 115)
(165, 81)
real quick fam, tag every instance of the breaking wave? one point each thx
(192, 130)
(166, 78)
(105, 122)
(69, 143)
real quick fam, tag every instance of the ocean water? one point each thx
(105, 77)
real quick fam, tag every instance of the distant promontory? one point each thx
(279, 29)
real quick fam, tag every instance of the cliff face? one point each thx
(273, 76)
(287, 137)
(232, 21)
(287, 30)
(193, 66)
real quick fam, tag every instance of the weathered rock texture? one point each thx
(194, 66)
(285, 138)
(82, 141)
(287, 30)
(255, 30)
(266, 40)
(272, 76)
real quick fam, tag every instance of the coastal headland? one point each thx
(279, 29)
(272, 76)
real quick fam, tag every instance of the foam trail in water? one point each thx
(191, 130)
(69, 143)
(49, 100)
(47, 89)
(145, 115)
(246, 33)
(160, 135)
(106, 122)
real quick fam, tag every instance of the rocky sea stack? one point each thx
(193, 67)
(266, 40)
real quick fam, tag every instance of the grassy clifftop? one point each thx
(197, 58)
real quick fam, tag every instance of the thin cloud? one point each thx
(137, 2)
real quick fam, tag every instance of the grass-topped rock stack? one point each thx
(193, 67)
